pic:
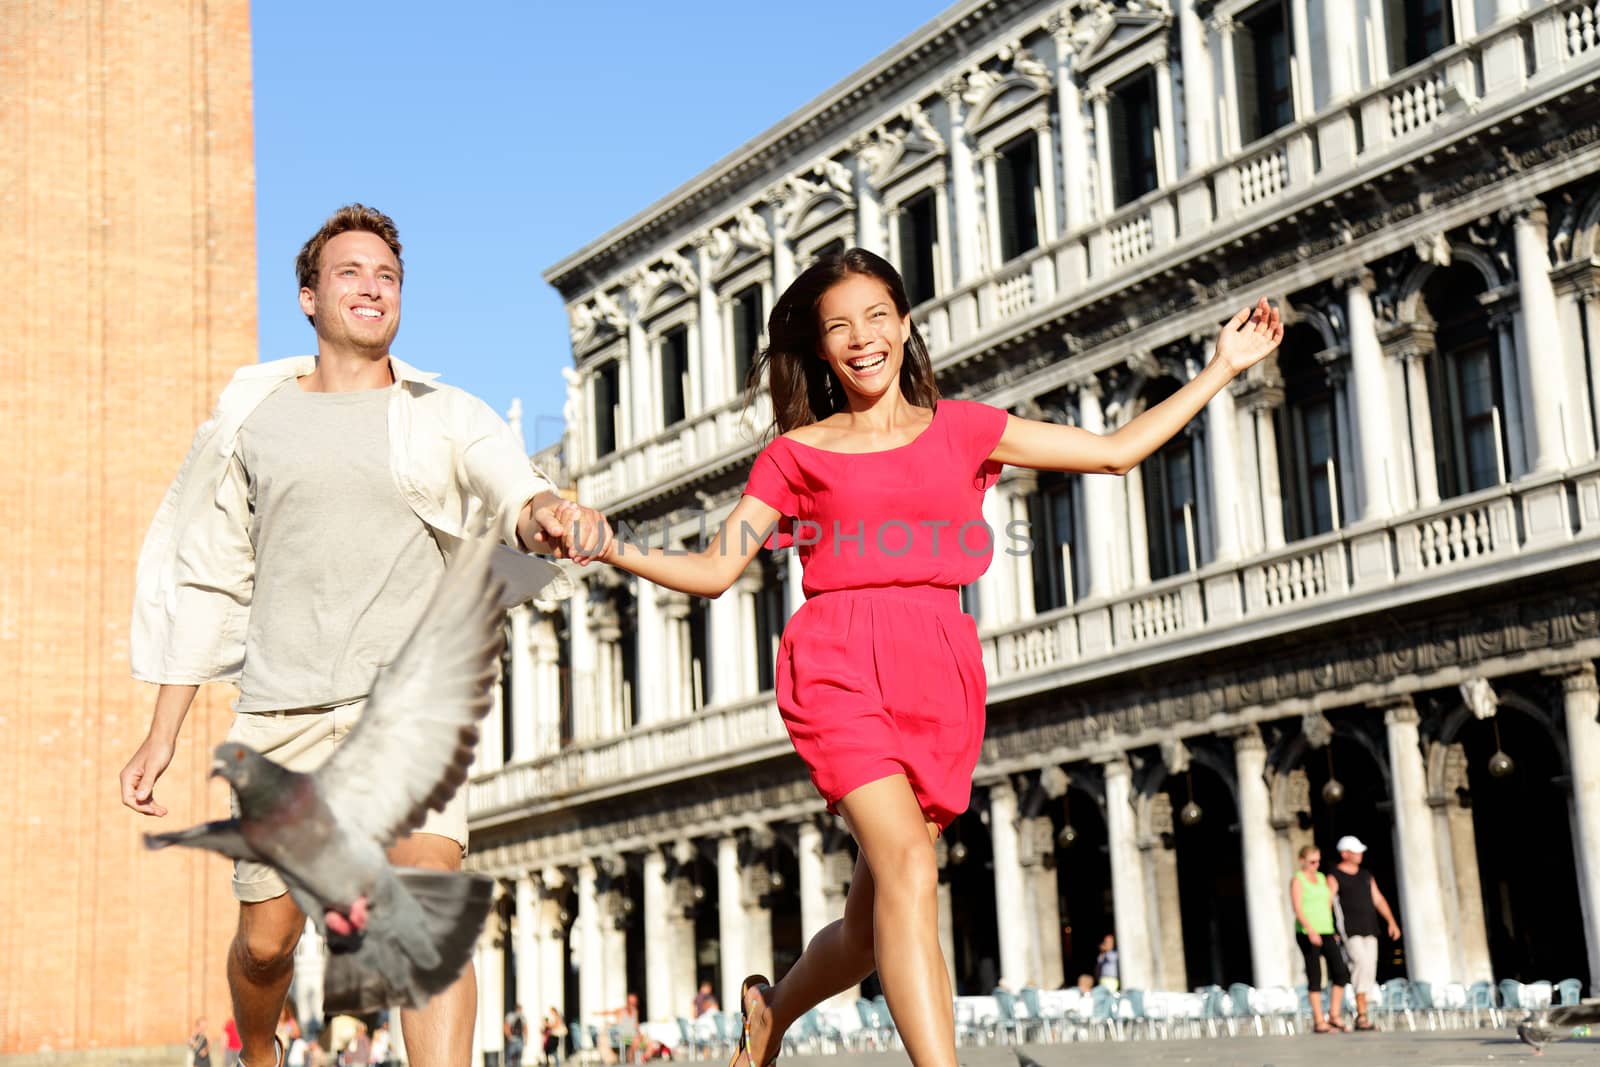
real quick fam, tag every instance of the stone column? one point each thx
(640, 415)
(1101, 99)
(491, 971)
(1555, 416)
(1300, 60)
(1199, 90)
(1231, 136)
(1170, 967)
(1427, 944)
(814, 913)
(546, 687)
(837, 871)
(1101, 528)
(679, 670)
(529, 942)
(746, 588)
(756, 882)
(997, 586)
(660, 953)
(1010, 899)
(1074, 145)
(1265, 900)
(553, 954)
(591, 949)
(524, 744)
(651, 699)
(1048, 231)
(731, 919)
(1222, 450)
(1167, 135)
(1292, 836)
(991, 206)
(1457, 850)
(1340, 29)
(963, 189)
(584, 663)
(725, 640)
(1374, 430)
(1415, 374)
(1129, 902)
(614, 910)
(869, 211)
(783, 272)
(1583, 745)
(714, 364)
(1036, 850)
(1018, 486)
(491, 752)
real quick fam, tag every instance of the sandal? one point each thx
(755, 983)
(1364, 1023)
(1322, 1028)
(1337, 1022)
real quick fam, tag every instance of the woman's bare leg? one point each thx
(841, 955)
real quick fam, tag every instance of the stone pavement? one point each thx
(1459, 1048)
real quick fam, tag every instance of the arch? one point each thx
(1586, 232)
(1461, 716)
(1005, 97)
(817, 210)
(1291, 752)
(1408, 301)
(667, 295)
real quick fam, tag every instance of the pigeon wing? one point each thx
(220, 836)
(412, 747)
(1575, 1014)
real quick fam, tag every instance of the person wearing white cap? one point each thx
(1361, 903)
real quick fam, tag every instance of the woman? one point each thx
(880, 485)
(1312, 893)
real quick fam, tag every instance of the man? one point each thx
(516, 1032)
(199, 1045)
(705, 1000)
(1361, 903)
(1105, 964)
(294, 554)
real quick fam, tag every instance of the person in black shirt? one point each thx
(1361, 904)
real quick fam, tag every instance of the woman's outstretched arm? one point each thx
(1246, 339)
(708, 572)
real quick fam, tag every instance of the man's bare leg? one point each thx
(260, 967)
(439, 1034)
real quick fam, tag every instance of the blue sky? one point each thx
(507, 135)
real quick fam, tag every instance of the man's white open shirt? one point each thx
(454, 461)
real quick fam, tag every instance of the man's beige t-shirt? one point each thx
(343, 568)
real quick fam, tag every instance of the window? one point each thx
(607, 390)
(1417, 29)
(699, 651)
(1131, 111)
(745, 313)
(1016, 172)
(1052, 523)
(1169, 500)
(771, 612)
(674, 375)
(919, 236)
(1467, 399)
(832, 248)
(1262, 53)
(1307, 438)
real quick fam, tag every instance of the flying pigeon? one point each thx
(396, 935)
(1540, 1028)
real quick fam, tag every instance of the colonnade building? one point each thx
(1359, 594)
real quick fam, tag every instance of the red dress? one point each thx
(880, 672)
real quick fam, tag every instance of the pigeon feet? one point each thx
(355, 922)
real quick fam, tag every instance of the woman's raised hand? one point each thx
(1249, 336)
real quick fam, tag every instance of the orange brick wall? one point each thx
(127, 296)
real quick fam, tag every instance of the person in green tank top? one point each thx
(1312, 893)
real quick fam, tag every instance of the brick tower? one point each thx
(127, 264)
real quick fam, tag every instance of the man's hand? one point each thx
(1394, 931)
(586, 535)
(1314, 937)
(138, 778)
(1249, 336)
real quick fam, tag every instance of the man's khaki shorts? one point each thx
(301, 740)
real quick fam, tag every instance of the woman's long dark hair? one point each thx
(804, 388)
